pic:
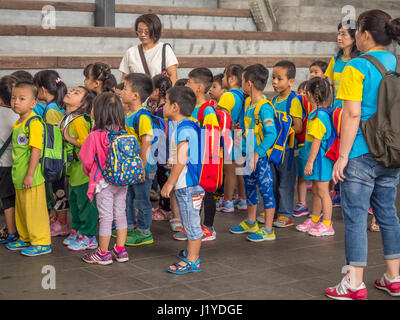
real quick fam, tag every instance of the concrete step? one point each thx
(95, 40)
(71, 67)
(82, 15)
(169, 3)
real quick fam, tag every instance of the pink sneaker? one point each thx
(343, 291)
(370, 211)
(321, 230)
(56, 229)
(306, 225)
(390, 286)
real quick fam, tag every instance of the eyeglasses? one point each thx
(343, 34)
(143, 32)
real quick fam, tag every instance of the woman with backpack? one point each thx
(364, 180)
(151, 56)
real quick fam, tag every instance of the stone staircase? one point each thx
(200, 33)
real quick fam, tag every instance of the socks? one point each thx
(315, 219)
(268, 230)
(327, 222)
(119, 249)
(250, 222)
(102, 252)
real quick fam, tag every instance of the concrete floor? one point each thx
(295, 266)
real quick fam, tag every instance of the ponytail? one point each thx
(320, 90)
(393, 29)
(51, 81)
(163, 84)
(101, 72)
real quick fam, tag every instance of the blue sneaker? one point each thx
(35, 250)
(71, 237)
(228, 207)
(244, 227)
(261, 235)
(17, 245)
(300, 210)
(7, 238)
(241, 205)
(82, 243)
(336, 201)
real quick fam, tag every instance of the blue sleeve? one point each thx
(267, 117)
(187, 133)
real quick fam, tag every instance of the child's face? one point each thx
(91, 84)
(245, 86)
(225, 84)
(22, 100)
(73, 99)
(169, 109)
(302, 92)
(154, 95)
(316, 71)
(280, 80)
(128, 96)
(216, 91)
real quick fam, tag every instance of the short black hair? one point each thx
(140, 83)
(28, 85)
(289, 66)
(218, 78)
(23, 75)
(184, 97)
(108, 111)
(234, 70)
(181, 82)
(203, 76)
(302, 86)
(153, 23)
(7, 84)
(51, 81)
(257, 74)
(322, 64)
(102, 72)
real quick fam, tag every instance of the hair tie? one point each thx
(58, 80)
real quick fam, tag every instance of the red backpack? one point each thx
(212, 159)
(307, 107)
(334, 143)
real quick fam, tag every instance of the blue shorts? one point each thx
(189, 201)
(262, 177)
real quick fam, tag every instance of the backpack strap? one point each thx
(28, 123)
(136, 119)
(379, 65)
(292, 95)
(5, 145)
(164, 59)
(143, 58)
(200, 114)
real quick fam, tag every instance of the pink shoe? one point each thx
(343, 291)
(306, 225)
(56, 229)
(370, 211)
(309, 187)
(390, 286)
(321, 230)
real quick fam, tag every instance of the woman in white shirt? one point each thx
(148, 29)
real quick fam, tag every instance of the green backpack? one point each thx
(53, 156)
(382, 131)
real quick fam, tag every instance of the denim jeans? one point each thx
(138, 197)
(284, 184)
(369, 184)
(189, 201)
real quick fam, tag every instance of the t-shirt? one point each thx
(335, 73)
(360, 82)
(266, 117)
(296, 110)
(180, 133)
(319, 128)
(210, 116)
(7, 119)
(80, 130)
(233, 102)
(144, 125)
(21, 151)
(132, 63)
(51, 113)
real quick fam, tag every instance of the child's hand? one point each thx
(166, 190)
(254, 160)
(27, 183)
(308, 169)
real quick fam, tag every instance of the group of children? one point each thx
(89, 115)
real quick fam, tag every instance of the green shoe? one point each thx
(244, 227)
(138, 238)
(114, 233)
(262, 235)
(129, 233)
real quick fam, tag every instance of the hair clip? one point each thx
(58, 80)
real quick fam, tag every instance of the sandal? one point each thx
(374, 227)
(176, 224)
(158, 215)
(190, 267)
(182, 254)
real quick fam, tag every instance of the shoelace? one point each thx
(341, 287)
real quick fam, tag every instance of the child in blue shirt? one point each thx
(318, 168)
(258, 110)
(189, 195)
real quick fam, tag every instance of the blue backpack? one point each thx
(124, 165)
(159, 144)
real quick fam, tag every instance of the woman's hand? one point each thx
(338, 169)
(308, 170)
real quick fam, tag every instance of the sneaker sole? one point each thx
(388, 291)
(224, 211)
(261, 240)
(179, 239)
(36, 254)
(102, 263)
(322, 235)
(338, 298)
(296, 215)
(16, 249)
(208, 239)
(139, 244)
(304, 231)
(241, 232)
(283, 226)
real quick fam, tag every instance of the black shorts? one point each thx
(7, 190)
